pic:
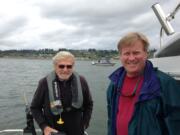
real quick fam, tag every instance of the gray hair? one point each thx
(130, 38)
(63, 55)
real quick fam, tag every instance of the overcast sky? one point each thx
(78, 24)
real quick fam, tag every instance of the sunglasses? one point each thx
(63, 66)
(133, 92)
(129, 94)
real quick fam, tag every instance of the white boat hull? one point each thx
(169, 65)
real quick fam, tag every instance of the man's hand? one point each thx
(48, 130)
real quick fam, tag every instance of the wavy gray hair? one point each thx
(63, 55)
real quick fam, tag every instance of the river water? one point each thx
(19, 76)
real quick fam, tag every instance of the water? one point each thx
(18, 76)
(22, 75)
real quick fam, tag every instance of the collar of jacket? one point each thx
(56, 105)
(151, 85)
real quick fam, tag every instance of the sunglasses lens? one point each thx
(63, 66)
(69, 66)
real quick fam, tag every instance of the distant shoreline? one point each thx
(39, 58)
(90, 54)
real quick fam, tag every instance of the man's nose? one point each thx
(131, 56)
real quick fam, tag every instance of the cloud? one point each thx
(77, 24)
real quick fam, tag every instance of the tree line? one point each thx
(49, 53)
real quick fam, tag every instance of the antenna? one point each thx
(163, 19)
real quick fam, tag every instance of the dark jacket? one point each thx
(75, 120)
(157, 111)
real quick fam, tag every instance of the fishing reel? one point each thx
(29, 122)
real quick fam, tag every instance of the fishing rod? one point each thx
(29, 118)
(29, 128)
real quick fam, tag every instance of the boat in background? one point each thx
(103, 62)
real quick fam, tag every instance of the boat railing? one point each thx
(23, 132)
(17, 131)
